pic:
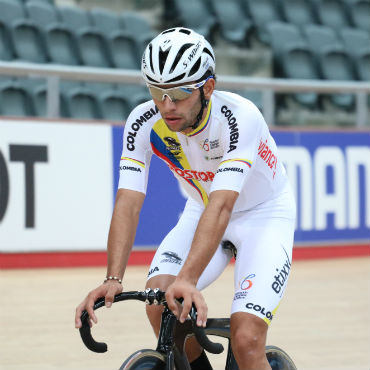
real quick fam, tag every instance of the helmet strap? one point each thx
(204, 104)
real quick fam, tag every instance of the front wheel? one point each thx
(279, 359)
(144, 359)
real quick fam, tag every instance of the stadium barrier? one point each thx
(58, 180)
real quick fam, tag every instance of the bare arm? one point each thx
(120, 240)
(123, 229)
(208, 235)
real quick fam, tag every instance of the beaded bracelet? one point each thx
(113, 278)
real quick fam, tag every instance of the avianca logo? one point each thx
(266, 154)
(192, 174)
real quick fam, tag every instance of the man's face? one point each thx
(180, 115)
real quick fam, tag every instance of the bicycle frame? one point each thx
(173, 335)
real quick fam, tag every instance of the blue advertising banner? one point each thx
(329, 172)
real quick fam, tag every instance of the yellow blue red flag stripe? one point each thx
(245, 161)
(142, 164)
(174, 157)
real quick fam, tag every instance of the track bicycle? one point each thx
(170, 352)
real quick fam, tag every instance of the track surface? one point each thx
(323, 321)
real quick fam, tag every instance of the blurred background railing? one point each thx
(268, 87)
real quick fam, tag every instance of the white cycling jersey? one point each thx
(231, 149)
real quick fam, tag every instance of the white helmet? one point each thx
(176, 56)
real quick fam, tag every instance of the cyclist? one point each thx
(218, 146)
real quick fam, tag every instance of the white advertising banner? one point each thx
(55, 186)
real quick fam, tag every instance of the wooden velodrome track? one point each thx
(323, 321)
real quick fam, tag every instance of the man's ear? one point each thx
(208, 88)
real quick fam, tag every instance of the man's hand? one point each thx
(183, 289)
(108, 290)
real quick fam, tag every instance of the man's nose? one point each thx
(168, 103)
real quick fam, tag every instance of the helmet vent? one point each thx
(209, 53)
(195, 67)
(168, 31)
(151, 57)
(176, 78)
(179, 55)
(163, 55)
(184, 30)
(151, 79)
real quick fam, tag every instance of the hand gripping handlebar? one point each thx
(148, 296)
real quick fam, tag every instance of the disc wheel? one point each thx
(279, 359)
(144, 359)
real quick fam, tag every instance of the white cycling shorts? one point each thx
(263, 238)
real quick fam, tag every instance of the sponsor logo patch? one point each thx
(258, 308)
(281, 278)
(129, 168)
(171, 257)
(268, 156)
(153, 270)
(192, 174)
(233, 126)
(173, 146)
(136, 125)
(246, 283)
(232, 169)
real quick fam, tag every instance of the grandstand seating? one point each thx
(359, 13)
(59, 40)
(362, 64)
(319, 37)
(114, 105)
(6, 52)
(39, 97)
(11, 10)
(326, 39)
(41, 12)
(93, 48)
(332, 13)
(335, 65)
(298, 62)
(253, 95)
(61, 46)
(120, 43)
(27, 41)
(283, 36)
(74, 18)
(52, 2)
(136, 25)
(234, 25)
(15, 99)
(356, 43)
(135, 94)
(355, 40)
(138, 28)
(262, 12)
(123, 51)
(196, 15)
(298, 12)
(81, 103)
(105, 20)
